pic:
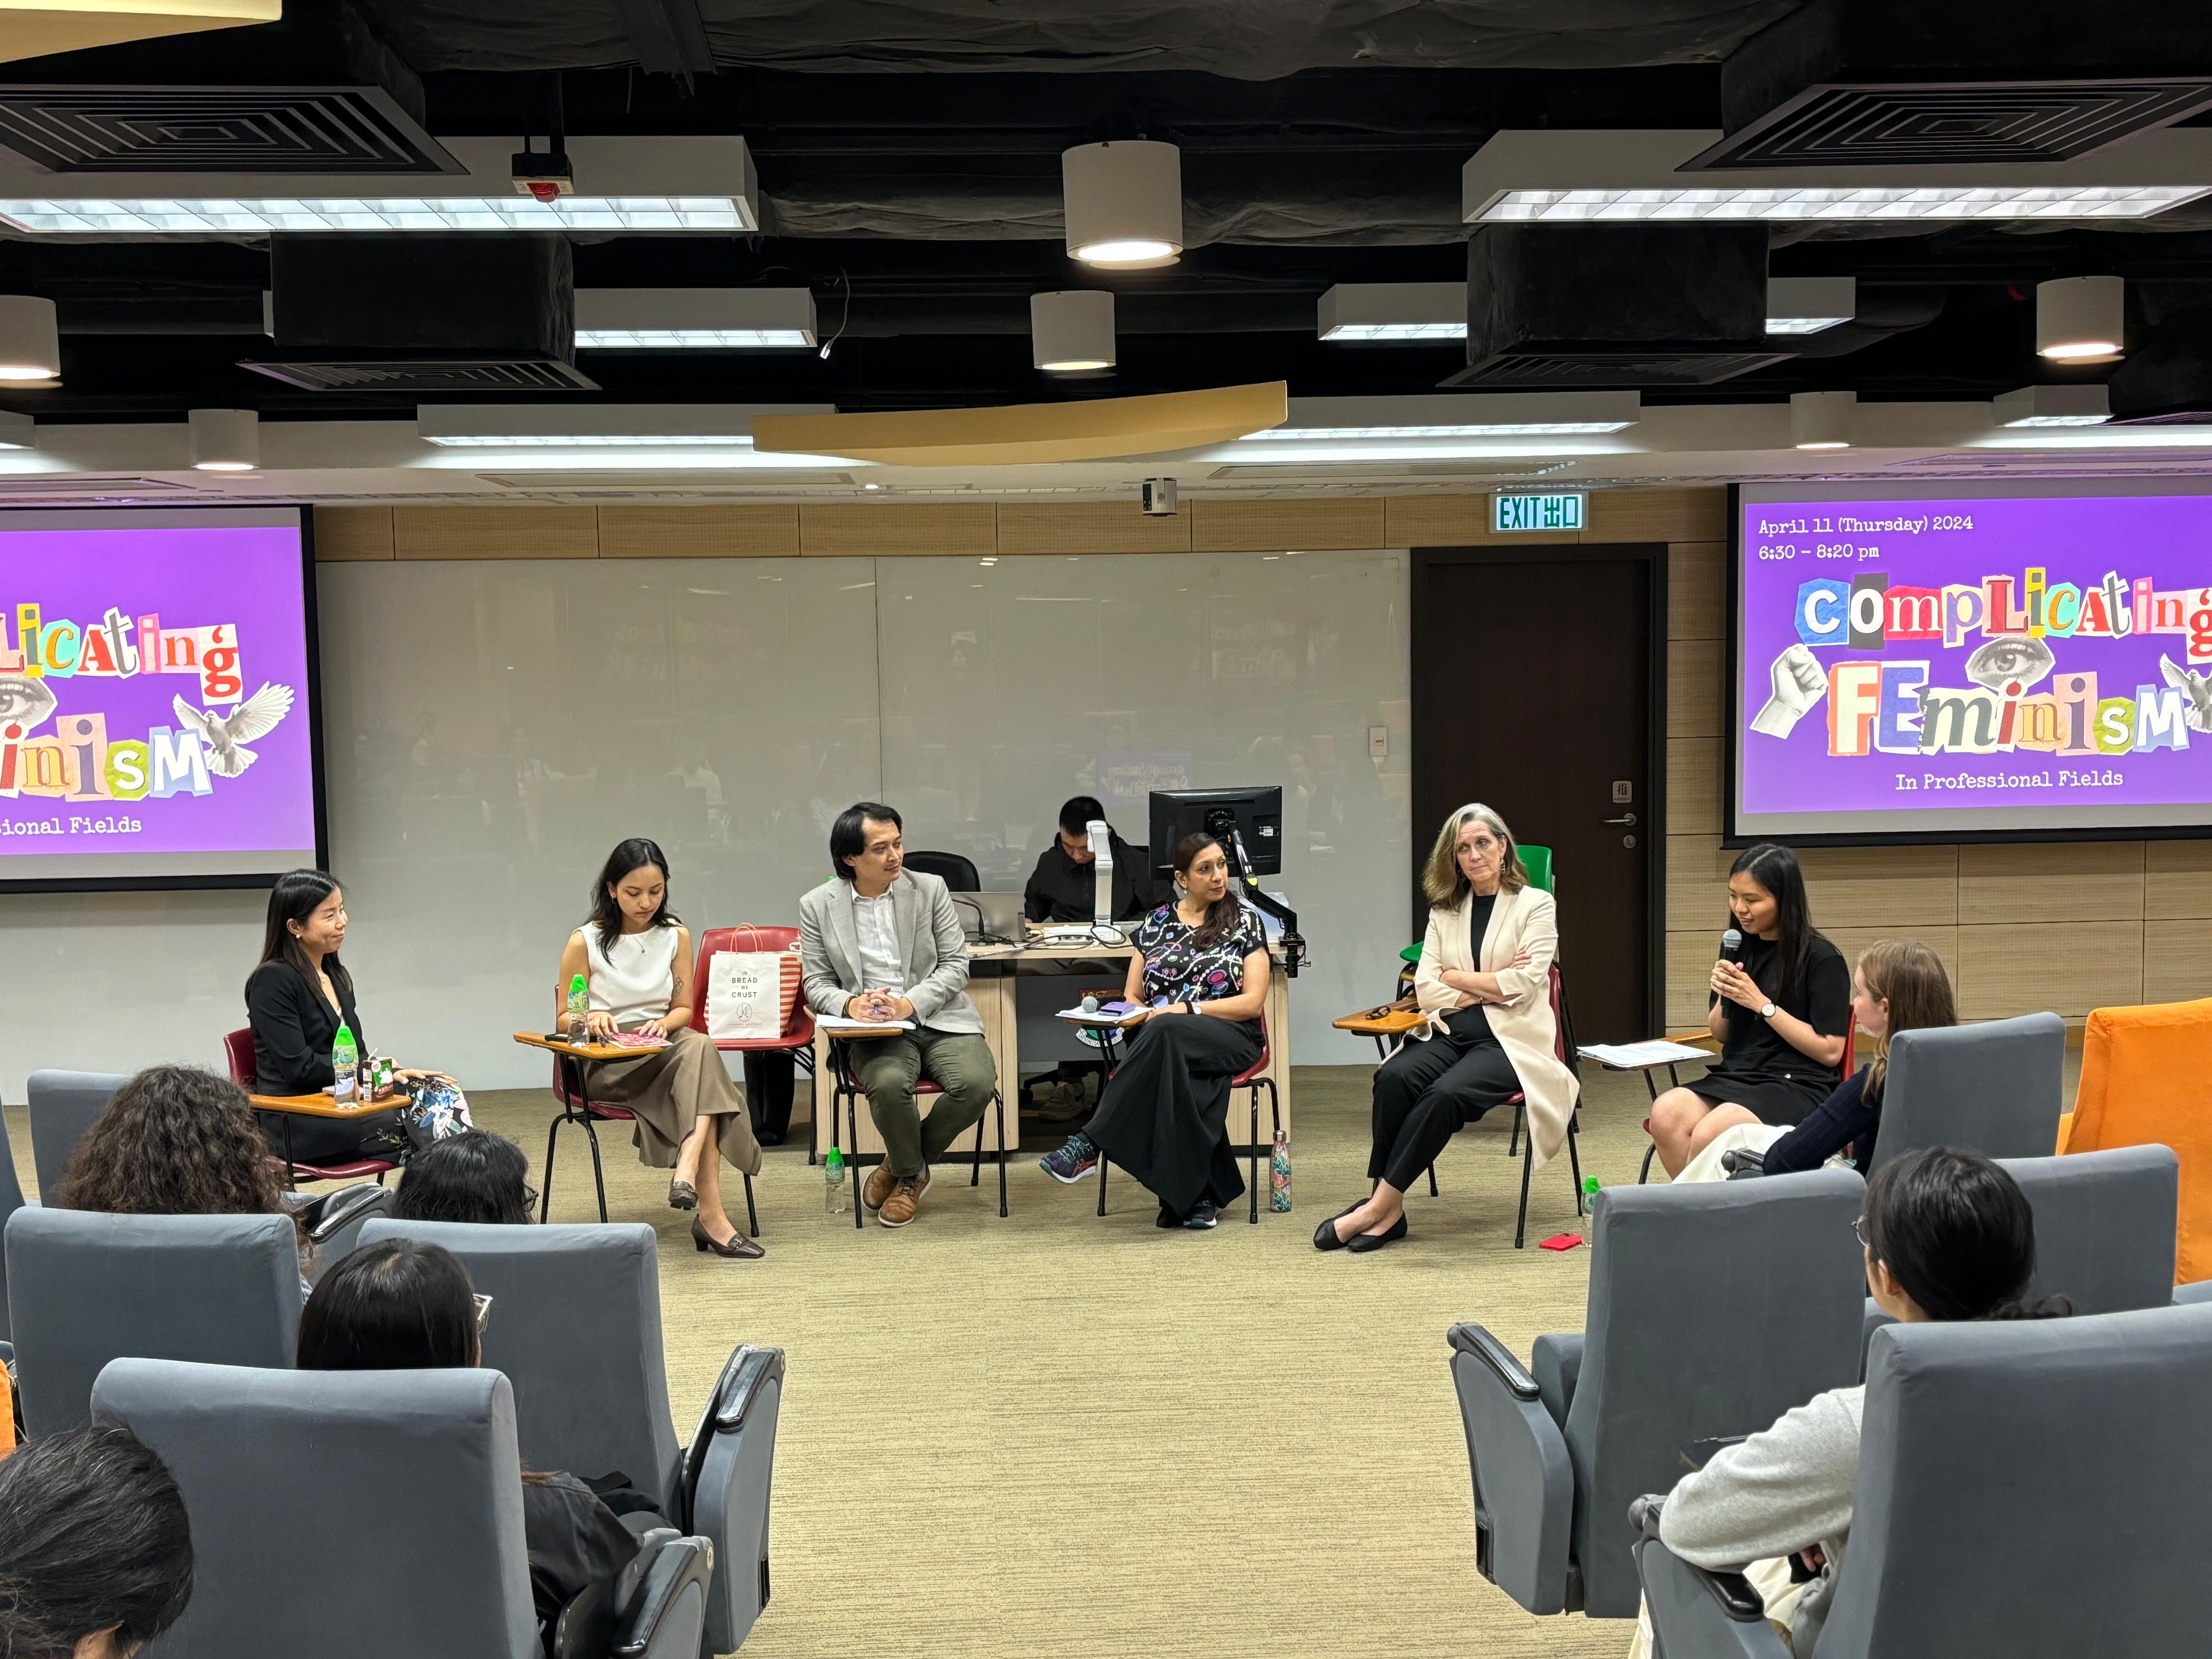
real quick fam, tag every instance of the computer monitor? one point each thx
(1255, 812)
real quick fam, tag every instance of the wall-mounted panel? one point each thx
(347, 534)
(1899, 888)
(859, 529)
(1271, 526)
(2177, 961)
(1694, 689)
(2177, 881)
(740, 529)
(2007, 970)
(2058, 881)
(495, 532)
(1077, 527)
(1657, 515)
(1697, 591)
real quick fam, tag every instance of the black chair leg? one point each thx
(853, 1120)
(1432, 1181)
(545, 1194)
(1000, 1101)
(1254, 1183)
(1513, 1141)
(598, 1177)
(1575, 1162)
(1102, 1184)
(975, 1163)
(1644, 1173)
(1527, 1168)
(752, 1214)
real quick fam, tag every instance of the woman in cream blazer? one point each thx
(1484, 983)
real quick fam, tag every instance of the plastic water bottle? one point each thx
(836, 1192)
(1279, 1175)
(345, 1067)
(579, 1009)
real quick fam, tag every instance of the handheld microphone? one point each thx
(1731, 945)
(1090, 1004)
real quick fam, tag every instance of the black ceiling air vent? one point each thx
(1617, 305)
(1905, 83)
(236, 130)
(413, 313)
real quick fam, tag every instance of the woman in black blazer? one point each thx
(295, 1002)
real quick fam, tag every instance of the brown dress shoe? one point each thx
(879, 1186)
(905, 1199)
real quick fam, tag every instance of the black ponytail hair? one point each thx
(606, 915)
(1774, 868)
(1957, 1231)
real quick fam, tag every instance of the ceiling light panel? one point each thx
(1371, 312)
(1627, 177)
(608, 426)
(694, 319)
(622, 184)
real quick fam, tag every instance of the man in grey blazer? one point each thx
(879, 943)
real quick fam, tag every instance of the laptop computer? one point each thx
(990, 915)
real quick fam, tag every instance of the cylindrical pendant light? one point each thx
(226, 440)
(30, 343)
(2078, 320)
(1123, 203)
(1822, 420)
(1072, 332)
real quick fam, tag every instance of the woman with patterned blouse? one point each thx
(1201, 968)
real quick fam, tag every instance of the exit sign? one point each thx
(1510, 513)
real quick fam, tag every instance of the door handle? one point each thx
(1630, 819)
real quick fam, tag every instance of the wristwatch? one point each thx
(1769, 1011)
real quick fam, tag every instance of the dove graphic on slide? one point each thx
(227, 735)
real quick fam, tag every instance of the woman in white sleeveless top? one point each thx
(636, 961)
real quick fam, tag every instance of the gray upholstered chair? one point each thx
(2030, 1488)
(1992, 1088)
(357, 1515)
(85, 1288)
(62, 1107)
(1714, 1307)
(2104, 1229)
(575, 1326)
(11, 1199)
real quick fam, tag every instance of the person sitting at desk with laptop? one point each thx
(882, 944)
(1063, 886)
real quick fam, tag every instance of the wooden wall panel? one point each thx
(738, 530)
(1693, 785)
(2177, 961)
(1697, 591)
(495, 532)
(2177, 881)
(1689, 972)
(2020, 970)
(1077, 527)
(1696, 882)
(1945, 942)
(2066, 881)
(1657, 515)
(345, 534)
(848, 529)
(1440, 520)
(1265, 526)
(1694, 704)
(1897, 888)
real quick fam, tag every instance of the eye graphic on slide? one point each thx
(2010, 658)
(24, 701)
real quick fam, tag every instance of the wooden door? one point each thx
(1535, 691)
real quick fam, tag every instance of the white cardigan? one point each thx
(1526, 921)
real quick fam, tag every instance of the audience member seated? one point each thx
(1201, 967)
(175, 1140)
(1779, 1007)
(1484, 982)
(295, 1002)
(402, 1305)
(882, 943)
(1948, 1236)
(475, 1176)
(1900, 985)
(1063, 887)
(636, 958)
(95, 1550)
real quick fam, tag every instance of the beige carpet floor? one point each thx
(1060, 1435)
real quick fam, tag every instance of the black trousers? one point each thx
(1164, 1115)
(1427, 1093)
(770, 1084)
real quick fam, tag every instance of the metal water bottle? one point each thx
(1279, 1175)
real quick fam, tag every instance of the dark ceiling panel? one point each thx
(257, 129)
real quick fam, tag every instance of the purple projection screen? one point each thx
(1944, 660)
(156, 706)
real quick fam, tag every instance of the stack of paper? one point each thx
(1634, 1056)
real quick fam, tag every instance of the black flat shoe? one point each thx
(739, 1249)
(1325, 1236)
(1361, 1243)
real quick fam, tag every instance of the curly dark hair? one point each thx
(175, 1140)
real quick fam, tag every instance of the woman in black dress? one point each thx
(295, 1002)
(1202, 967)
(1780, 1004)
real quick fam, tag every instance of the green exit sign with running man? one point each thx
(1510, 513)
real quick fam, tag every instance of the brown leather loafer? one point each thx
(878, 1185)
(905, 1199)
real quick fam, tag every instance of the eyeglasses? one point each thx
(529, 1195)
(483, 1313)
(1858, 1232)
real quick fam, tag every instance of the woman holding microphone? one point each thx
(1780, 1003)
(635, 961)
(1484, 983)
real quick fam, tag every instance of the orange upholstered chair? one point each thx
(2147, 1080)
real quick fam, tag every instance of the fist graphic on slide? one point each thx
(1798, 684)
